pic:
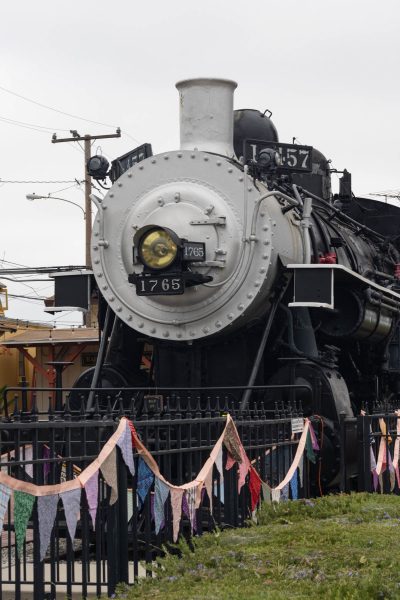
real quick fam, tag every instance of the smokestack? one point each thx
(206, 115)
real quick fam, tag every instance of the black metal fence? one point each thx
(46, 447)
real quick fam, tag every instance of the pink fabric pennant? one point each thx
(244, 467)
(176, 504)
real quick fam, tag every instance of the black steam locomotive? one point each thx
(230, 264)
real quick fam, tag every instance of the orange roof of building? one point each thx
(52, 337)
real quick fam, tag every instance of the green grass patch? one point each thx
(334, 548)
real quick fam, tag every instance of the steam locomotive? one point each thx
(231, 264)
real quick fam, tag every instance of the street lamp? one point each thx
(38, 197)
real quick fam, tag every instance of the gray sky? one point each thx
(329, 71)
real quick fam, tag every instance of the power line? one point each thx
(30, 125)
(33, 181)
(61, 112)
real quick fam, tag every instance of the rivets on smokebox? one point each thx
(230, 316)
(230, 170)
(119, 184)
(160, 201)
(129, 318)
(265, 228)
(263, 270)
(153, 330)
(192, 156)
(262, 214)
(240, 178)
(206, 329)
(111, 195)
(218, 324)
(165, 333)
(240, 306)
(177, 197)
(105, 287)
(265, 256)
(141, 167)
(111, 299)
(99, 274)
(218, 163)
(250, 295)
(129, 175)
(206, 159)
(257, 283)
(153, 161)
(179, 155)
(179, 335)
(192, 333)
(166, 157)
(266, 243)
(140, 325)
(96, 262)
(119, 308)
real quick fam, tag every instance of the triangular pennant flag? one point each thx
(230, 461)
(208, 484)
(301, 470)
(176, 504)
(23, 505)
(232, 442)
(189, 506)
(313, 438)
(294, 486)
(309, 448)
(47, 510)
(5, 493)
(161, 492)
(285, 493)
(109, 472)
(144, 480)
(72, 502)
(125, 445)
(391, 470)
(255, 488)
(266, 492)
(218, 464)
(244, 467)
(276, 495)
(92, 493)
(375, 479)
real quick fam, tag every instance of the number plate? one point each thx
(167, 285)
(194, 251)
(293, 156)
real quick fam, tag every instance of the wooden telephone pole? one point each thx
(87, 140)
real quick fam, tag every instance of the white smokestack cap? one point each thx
(206, 115)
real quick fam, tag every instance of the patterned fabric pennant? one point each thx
(5, 493)
(294, 486)
(276, 495)
(313, 438)
(244, 467)
(189, 506)
(266, 492)
(230, 461)
(301, 470)
(109, 472)
(255, 488)
(92, 493)
(23, 505)
(125, 445)
(208, 484)
(161, 492)
(285, 493)
(176, 504)
(144, 480)
(218, 464)
(72, 502)
(309, 448)
(232, 442)
(47, 510)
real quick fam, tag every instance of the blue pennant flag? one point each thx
(294, 486)
(144, 480)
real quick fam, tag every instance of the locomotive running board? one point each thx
(314, 285)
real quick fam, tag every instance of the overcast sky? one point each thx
(329, 71)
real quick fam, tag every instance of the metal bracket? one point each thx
(221, 221)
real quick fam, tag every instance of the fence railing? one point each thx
(49, 448)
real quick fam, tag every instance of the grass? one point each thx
(335, 548)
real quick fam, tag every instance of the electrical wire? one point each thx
(61, 112)
(33, 181)
(31, 125)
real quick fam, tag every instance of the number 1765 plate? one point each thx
(167, 285)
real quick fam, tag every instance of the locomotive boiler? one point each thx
(231, 264)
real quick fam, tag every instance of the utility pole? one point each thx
(87, 140)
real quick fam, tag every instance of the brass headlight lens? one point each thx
(157, 249)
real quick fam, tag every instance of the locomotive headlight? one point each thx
(157, 249)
